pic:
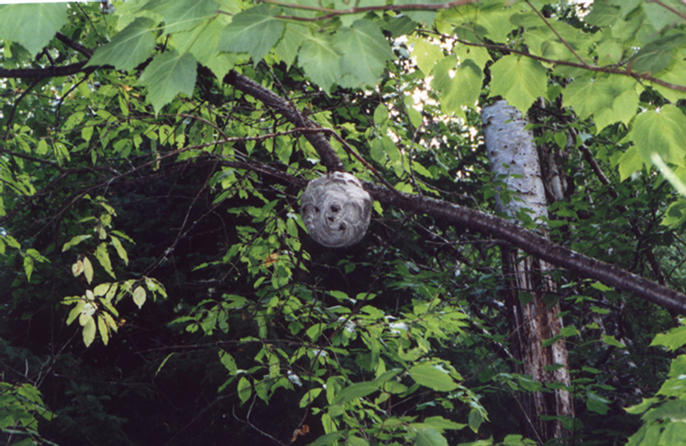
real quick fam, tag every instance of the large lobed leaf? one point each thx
(128, 48)
(168, 75)
(32, 26)
(520, 80)
(364, 51)
(254, 31)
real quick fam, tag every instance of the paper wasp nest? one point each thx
(336, 209)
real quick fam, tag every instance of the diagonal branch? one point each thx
(271, 99)
(457, 215)
(481, 222)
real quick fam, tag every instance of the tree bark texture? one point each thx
(514, 161)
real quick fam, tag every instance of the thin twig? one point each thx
(337, 12)
(74, 45)
(605, 69)
(559, 37)
(10, 117)
(670, 8)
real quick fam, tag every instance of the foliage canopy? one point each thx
(157, 282)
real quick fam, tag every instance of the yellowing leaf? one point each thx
(75, 241)
(103, 258)
(88, 269)
(88, 331)
(103, 330)
(77, 268)
(139, 296)
(120, 249)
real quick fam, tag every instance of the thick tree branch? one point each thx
(44, 73)
(464, 217)
(481, 222)
(269, 98)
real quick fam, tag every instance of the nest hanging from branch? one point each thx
(336, 209)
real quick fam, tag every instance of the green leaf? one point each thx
(203, 43)
(425, 53)
(520, 80)
(672, 340)
(674, 434)
(675, 75)
(596, 403)
(611, 340)
(475, 419)
(661, 131)
(75, 241)
(255, 31)
(380, 115)
(129, 48)
(355, 391)
(32, 26)
(162, 364)
(244, 389)
(138, 296)
(641, 407)
(288, 46)
(630, 161)
(182, 15)
(103, 258)
(88, 331)
(441, 424)
(365, 53)
(658, 55)
(457, 85)
(227, 360)
(433, 377)
(603, 14)
(168, 75)
(309, 396)
(430, 437)
(606, 98)
(28, 267)
(320, 60)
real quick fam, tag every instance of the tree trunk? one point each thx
(534, 315)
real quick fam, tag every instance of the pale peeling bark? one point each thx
(514, 160)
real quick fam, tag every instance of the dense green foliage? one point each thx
(157, 284)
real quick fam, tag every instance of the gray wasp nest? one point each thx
(336, 209)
